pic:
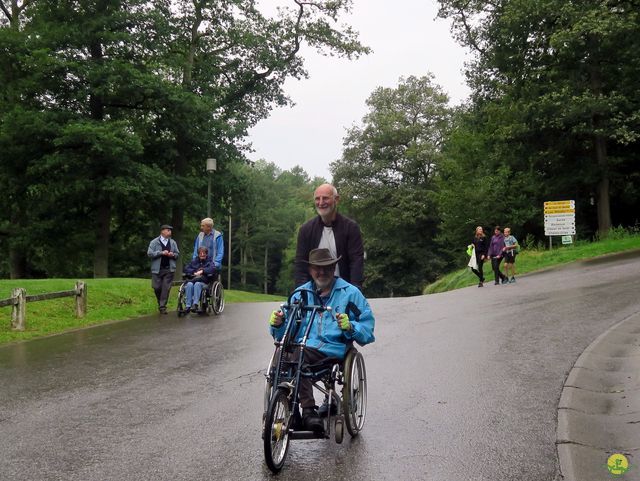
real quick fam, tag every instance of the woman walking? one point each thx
(480, 246)
(496, 248)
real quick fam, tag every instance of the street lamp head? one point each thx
(211, 165)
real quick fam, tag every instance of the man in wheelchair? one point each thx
(329, 336)
(199, 273)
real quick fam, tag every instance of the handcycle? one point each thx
(281, 418)
(211, 299)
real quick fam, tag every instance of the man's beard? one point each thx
(321, 285)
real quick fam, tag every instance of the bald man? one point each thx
(330, 230)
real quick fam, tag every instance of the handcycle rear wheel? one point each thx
(354, 392)
(276, 430)
(217, 297)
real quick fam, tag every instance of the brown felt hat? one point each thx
(322, 257)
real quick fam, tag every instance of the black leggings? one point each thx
(478, 272)
(495, 264)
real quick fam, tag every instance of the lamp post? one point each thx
(211, 167)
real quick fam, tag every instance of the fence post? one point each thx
(81, 299)
(19, 309)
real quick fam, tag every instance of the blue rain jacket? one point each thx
(325, 334)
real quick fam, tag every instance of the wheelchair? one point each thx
(211, 298)
(281, 420)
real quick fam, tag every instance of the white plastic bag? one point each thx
(473, 263)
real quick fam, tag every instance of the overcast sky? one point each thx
(406, 39)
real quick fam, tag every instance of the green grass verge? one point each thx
(530, 260)
(107, 300)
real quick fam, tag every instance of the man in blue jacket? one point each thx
(328, 337)
(212, 240)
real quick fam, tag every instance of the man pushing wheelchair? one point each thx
(347, 318)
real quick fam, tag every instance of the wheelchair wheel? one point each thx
(354, 392)
(181, 308)
(276, 430)
(217, 297)
(339, 430)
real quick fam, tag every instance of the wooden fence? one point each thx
(19, 299)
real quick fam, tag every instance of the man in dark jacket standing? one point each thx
(330, 230)
(163, 252)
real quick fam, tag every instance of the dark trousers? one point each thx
(495, 265)
(305, 389)
(161, 283)
(479, 272)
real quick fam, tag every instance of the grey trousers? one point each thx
(161, 283)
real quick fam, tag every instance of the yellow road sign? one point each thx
(559, 210)
(559, 203)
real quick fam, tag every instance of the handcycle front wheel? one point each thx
(354, 392)
(276, 430)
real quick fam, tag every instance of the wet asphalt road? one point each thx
(462, 386)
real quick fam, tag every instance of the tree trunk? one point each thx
(266, 271)
(17, 262)
(604, 207)
(101, 250)
(244, 256)
(17, 252)
(182, 146)
(600, 147)
(185, 248)
(103, 207)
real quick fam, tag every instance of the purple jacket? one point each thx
(496, 245)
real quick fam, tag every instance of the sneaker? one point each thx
(513, 280)
(187, 309)
(480, 284)
(505, 280)
(163, 310)
(496, 283)
(195, 308)
(311, 421)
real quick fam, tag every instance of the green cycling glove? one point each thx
(343, 322)
(276, 319)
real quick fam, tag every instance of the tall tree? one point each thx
(231, 61)
(132, 89)
(386, 176)
(563, 78)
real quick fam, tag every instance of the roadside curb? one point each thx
(599, 409)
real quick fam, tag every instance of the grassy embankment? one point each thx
(107, 300)
(530, 260)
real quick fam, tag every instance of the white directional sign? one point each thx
(548, 231)
(560, 217)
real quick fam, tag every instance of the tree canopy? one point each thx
(110, 108)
